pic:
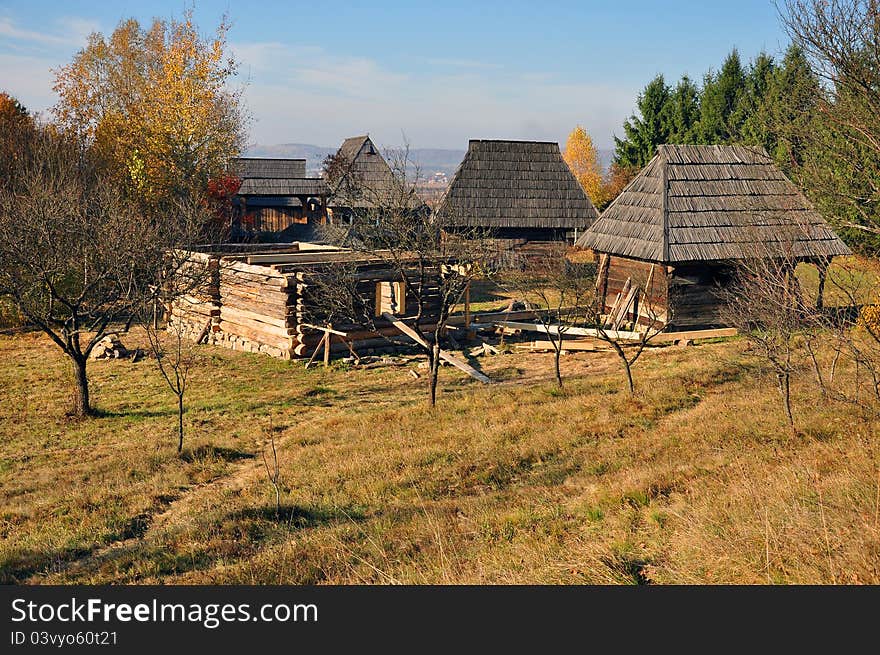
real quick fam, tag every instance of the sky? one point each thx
(430, 74)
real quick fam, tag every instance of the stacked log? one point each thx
(195, 295)
(257, 309)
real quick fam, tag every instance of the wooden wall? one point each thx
(694, 296)
(687, 296)
(259, 308)
(648, 276)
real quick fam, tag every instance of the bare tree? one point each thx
(840, 38)
(398, 231)
(765, 303)
(648, 321)
(562, 290)
(74, 254)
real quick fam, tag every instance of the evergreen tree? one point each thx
(720, 122)
(682, 111)
(643, 133)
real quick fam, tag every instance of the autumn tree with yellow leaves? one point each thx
(582, 158)
(156, 105)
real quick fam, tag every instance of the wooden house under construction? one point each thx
(277, 201)
(521, 192)
(260, 298)
(672, 238)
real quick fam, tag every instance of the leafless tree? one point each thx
(840, 38)
(398, 231)
(76, 257)
(562, 290)
(649, 320)
(765, 303)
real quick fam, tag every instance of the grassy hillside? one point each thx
(696, 479)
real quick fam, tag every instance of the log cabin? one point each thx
(521, 192)
(277, 201)
(679, 228)
(264, 298)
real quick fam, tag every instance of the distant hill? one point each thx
(429, 160)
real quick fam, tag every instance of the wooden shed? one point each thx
(359, 177)
(265, 299)
(523, 192)
(680, 226)
(277, 201)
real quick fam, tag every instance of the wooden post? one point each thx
(327, 336)
(467, 312)
(822, 269)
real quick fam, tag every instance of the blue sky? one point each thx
(438, 73)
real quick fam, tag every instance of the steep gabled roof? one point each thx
(262, 167)
(366, 178)
(705, 203)
(521, 184)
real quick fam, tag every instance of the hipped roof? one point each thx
(520, 184)
(711, 203)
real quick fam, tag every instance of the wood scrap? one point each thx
(445, 356)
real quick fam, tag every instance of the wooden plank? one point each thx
(324, 329)
(570, 344)
(573, 331)
(624, 308)
(455, 361)
(665, 337)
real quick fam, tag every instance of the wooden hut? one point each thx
(521, 191)
(360, 178)
(265, 299)
(277, 202)
(680, 226)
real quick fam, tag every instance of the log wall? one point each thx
(265, 308)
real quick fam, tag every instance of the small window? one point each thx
(391, 298)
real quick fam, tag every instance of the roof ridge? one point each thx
(664, 202)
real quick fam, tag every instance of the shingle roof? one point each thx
(300, 186)
(516, 184)
(705, 203)
(368, 179)
(245, 167)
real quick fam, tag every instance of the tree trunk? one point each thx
(558, 372)
(629, 377)
(435, 373)
(81, 404)
(822, 269)
(179, 422)
(785, 390)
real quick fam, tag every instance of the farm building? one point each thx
(360, 178)
(680, 226)
(276, 201)
(522, 192)
(264, 298)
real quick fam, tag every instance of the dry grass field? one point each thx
(694, 480)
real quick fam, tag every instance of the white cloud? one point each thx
(29, 79)
(71, 31)
(309, 95)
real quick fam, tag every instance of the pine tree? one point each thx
(682, 111)
(720, 122)
(645, 131)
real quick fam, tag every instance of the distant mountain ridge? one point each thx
(429, 160)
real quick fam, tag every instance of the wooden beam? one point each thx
(448, 357)
(338, 333)
(573, 331)
(666, 337)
